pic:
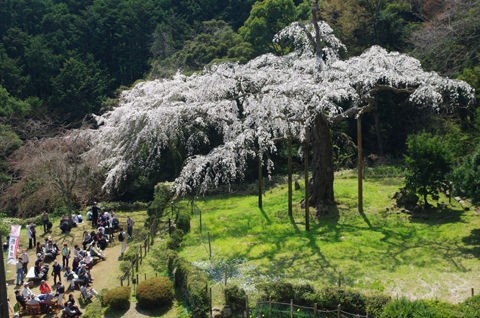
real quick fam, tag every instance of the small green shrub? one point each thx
(471, 307)
(125, 266)
(131, 253)
(236, 298)
(404, 308)
(304, 295)
(93, 310)
(117, 298)
(175, 239)
(163, 193)
(279, 291)
(466, 177)
(155, 293)
(445, 310)
(374, 304)
(350, 301)
(172, 259)
(183, 221)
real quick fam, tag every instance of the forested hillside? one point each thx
(62, 61)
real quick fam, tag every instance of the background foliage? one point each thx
(61, 61)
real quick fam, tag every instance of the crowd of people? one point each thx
(76, 261)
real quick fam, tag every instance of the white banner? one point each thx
(13, 244)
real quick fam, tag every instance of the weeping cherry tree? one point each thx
(299, 95)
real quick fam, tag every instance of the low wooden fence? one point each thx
(269, 309)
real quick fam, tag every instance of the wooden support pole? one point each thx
(211, 302)
(307, 186)
(315, 310)
(269, 306)
(209, 246)
(200, 219)
(290, 192)
(260, 182)
(360, 164)
(291, 308)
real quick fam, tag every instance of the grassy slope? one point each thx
(432, 257)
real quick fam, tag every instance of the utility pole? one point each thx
(3, 285)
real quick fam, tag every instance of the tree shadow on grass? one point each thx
(115, 313)
(293, 223)
(265, 215)
(473, 241)
(157, 312)
(435, 216)
(367, 221)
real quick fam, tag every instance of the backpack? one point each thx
(121, 237)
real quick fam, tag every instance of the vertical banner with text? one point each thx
(13, 243)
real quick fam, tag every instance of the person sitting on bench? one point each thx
(87, 292)
(65, 224)
(44, 287)
(20, 299)
(95, 252)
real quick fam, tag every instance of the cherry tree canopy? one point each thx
(254, 104)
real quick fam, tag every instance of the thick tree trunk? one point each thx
(307, 185)
(322, 164)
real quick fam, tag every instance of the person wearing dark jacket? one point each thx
(56, 271)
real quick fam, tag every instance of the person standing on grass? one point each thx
(29, 236)
(45, 221)
(25, 260)
(19, 268)
(65, 255)
(32, 238)
(95, 210)
(122, 238)
(129, 227)
(56, 271)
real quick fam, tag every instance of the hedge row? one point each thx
(356, 303)
(190, 282)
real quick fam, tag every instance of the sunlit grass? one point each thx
(387, 252)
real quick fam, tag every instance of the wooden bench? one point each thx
(33, 309)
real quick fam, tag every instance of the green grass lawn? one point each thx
(435, 256)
